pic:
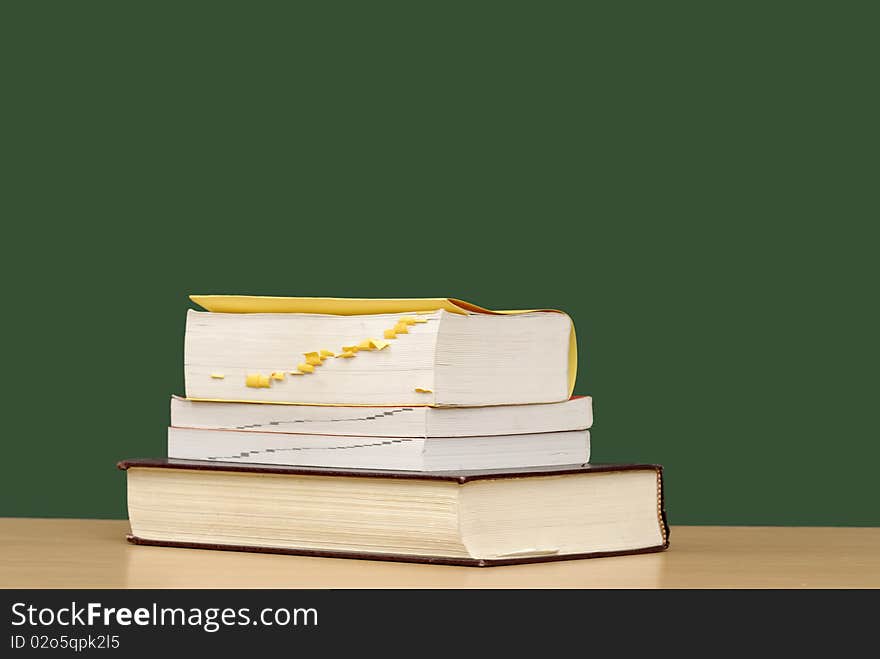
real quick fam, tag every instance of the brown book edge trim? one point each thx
(460, 477)
(661, 507)
(400, 558)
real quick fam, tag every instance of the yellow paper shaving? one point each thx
(419, 320)
(257, 381)
(217, 376)
(316, 358)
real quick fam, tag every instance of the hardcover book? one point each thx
(481, 518)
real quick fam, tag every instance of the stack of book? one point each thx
(419, 430)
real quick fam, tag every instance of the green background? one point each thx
(695, 183)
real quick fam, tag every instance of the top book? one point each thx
(336, 351)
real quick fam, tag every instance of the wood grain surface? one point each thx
(70, 553)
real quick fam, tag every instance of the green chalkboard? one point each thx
(695, 183)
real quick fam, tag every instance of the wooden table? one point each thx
(62, 553)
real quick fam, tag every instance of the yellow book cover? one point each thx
(265, 376)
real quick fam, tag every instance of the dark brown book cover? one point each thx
(460, 477)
